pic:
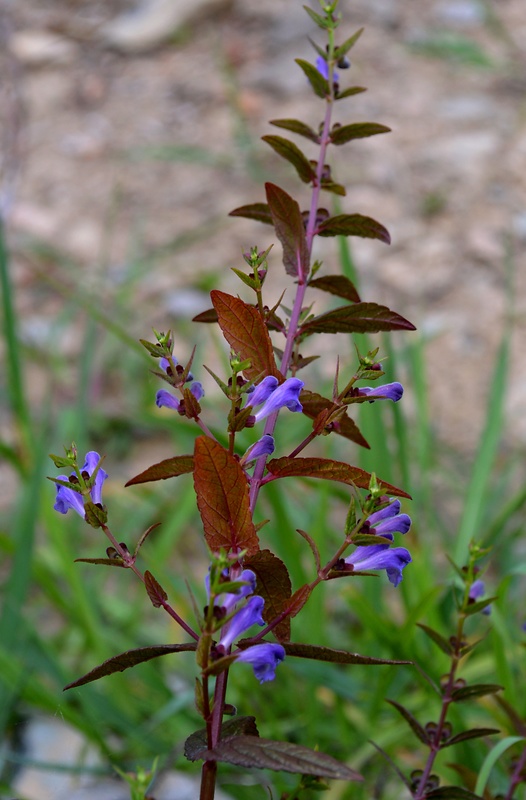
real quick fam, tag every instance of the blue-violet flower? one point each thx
(167, 399)
(380, 556)
(263, 447)
(275, 396)
(475, 593)
(387, 521)
(67, 498)
(264, 659)
(323, 68)
(388, 391)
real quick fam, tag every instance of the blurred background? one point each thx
(129, 131)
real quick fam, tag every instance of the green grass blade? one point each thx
(491, 759)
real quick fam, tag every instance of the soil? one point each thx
(122, 167)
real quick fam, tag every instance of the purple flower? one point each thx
(263, 447)
(274, 396)
(389, 391)
(229, 599)
(67, 498)
(167, 399)
(323, 68)
(264, 659)
(248, 615)
(475, 593)
(387, 521)
(380, 556)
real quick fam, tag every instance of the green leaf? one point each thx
(349, 92)
(296, 126)
(318, 653)
(415, 725)
(358, 130)
(247, 280)
(315, 78)
(290, 230)
(169, 468)
(327, 469)
(222, 498)
(354, 225)
(197, 742)
(290, 152)
(338, 285)
(344, 48)
(108, 562)
(129, 659)
(246, 333)
(479, 605)
(358, 318)
(274, 586)
(334, 188)
(475, 690)
(492, 758)
(439, 640)
(252, 751)
(474, 733)
(321, 22)
(257, 211)
(95, 516)
(313, 404)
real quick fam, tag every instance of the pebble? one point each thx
(36, 48)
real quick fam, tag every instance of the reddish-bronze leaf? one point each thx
(338, 285)
(222, 498)
(246, 333)
(298, 599)
(319, 653)
(154, 589)
(358, 130)
(358, 318)
(474, 733)
(252, 751)
(420, 732)
(197, 742)
(329, 470)
(210, 315)
(354, 225)
(169, 468)
(257, 211)
(290, 230)
(129, 659)
(313, 404)
(273, 584)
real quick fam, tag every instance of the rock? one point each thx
(154, 22)
(37, 48)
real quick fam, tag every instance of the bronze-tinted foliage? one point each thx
(358, 318)
(290, 230)
(273, 584)
(222, 499)
(169, 468)
(314, 404)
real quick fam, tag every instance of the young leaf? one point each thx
(358, 318)
(210, 315)
(439, 640)
(246, 333)
(257, 211)
(315, 78)
(321, 22)
(474, 608)
(290, 230)
(314, 404)
(169, 468)
(108, 562)
(327, 469)
(222, 498)
(273, 584)
(290, 152)
(129, 659)
(415, 725)
(154, 589)
(475, 690)
(344, 48)
(298, 127)
(197, 742)
(252, 751)
(474, 733)
(338, 285)
(358, 130)
(318, 653)
(354, 225)
(349, 92)
(335, 188)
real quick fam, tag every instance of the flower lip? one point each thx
(284, 396)
(264, 659)
(248, 615)
(380, 556)
(387, 391)
(67, 498)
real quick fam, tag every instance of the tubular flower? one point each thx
(323, 68)
(389, 391)
(228, 600)
(248, 615)
(67, 498)
(380, 556)
(264, 659)
(387, 521)
(275, 396)
(167, 399)
(475, 593)
(263, 447)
